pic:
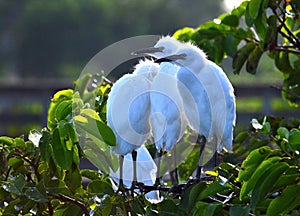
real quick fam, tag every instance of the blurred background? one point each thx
(44, 45)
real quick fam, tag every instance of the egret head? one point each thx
(165, 46)
(189, 56)
(146, 67)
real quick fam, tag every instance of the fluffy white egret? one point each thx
(128, 108)
(196, 106)
(214, 116)
(167, 118)
(219, 90)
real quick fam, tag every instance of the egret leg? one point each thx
(158, 160)
(173, 172)
(202, 141)
(121, 184)
(134, 181)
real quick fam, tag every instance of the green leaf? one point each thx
(211, 190)
(6, 140)
(82, 82)
(283, 132)
(263, 168)
(63, 109)
(90, 174)
(73, 179)
(55, 186)
(241, 57)
(230, 20)
(20, 183)
(239, 210)
(104, 206)
(262, 187)
(190, 196)
(282, 61)
(207, 209)
(35, 195)
(168, 207)
(63, 157)
(10, 187)
(240, 10)
(95, 127)
(184, 34)
(294, 139)
(45, 145)
(289, 199)
(98, 187)
(254, 8)
(251, 163)
(253, 60)
(230, 45)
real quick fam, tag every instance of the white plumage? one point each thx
(128, 109)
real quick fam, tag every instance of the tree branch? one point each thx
(286, 49)
(287, 91)
(74, 201)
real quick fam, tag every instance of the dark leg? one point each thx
(121, 184)
(202, 141)
(134, 182)
(174, 173)
(158, 158)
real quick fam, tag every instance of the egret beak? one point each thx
(175, 57)
(148, 50)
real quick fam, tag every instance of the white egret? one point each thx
(219, 90)
(128, 108)
(167, 118)
(196, 106)
(211, 90)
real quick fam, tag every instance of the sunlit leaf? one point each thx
(251, 163)
(262, 186)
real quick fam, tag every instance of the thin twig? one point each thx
(74, 201)
(286, 49)
(287, 91)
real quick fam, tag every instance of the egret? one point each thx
(194, 107)
(211, 90)
(219, 90)
(128, 109)
(167, 118)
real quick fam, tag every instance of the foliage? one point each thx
(260, 177)
(253, 28)
(42, 176)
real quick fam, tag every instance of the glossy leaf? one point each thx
(35, 195)
(98, 187)
(45, 145)
(253, 60)
(264, 167)
(262, 187)
(230, 20)
(241, 57)
(254, 8)
(212, 189)
(294, 139)
(61, 154)
(286, 201)
(251, 163)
